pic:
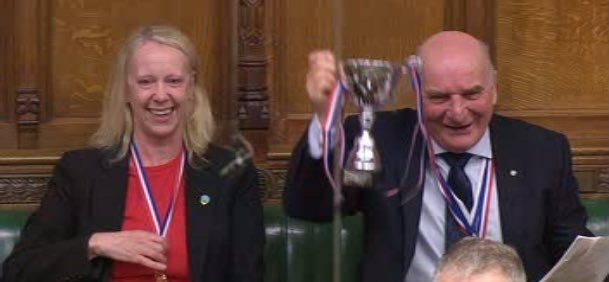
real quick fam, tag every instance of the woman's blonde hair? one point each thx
(116, 127)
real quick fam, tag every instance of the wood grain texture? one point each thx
(384, 29)
(87, 35)
(8, 137)
(6, 45)
(552, 55)
(553, 65)
(476, 17)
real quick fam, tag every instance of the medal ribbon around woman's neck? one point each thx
(161, 225)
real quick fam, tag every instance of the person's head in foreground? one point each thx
(480, 260)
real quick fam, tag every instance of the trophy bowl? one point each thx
(370, 85)
(371, 82)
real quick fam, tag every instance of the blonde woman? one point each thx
(147, 201)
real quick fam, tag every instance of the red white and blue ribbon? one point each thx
(161, 225)
(413, 67)
(474, 222)
(333, 114)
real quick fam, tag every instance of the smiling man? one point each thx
(486, 175)
(459, 88)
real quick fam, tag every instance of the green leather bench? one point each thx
(598, 212)
(301, 251)
(296, 250)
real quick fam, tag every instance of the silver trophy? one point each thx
(370, 85)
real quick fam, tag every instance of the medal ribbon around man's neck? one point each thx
(161, 225)
(474, 222)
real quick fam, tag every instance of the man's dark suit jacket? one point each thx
(87, 194)
(540, 210)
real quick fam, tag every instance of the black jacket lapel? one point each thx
(107, 202)
(413, 199)
(510, 180)
(201, 192)
(109, 185)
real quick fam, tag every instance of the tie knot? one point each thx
(454, 159)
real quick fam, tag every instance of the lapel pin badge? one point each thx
(204, 200)
(513, 172)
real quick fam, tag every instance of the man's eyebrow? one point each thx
(435, 92)
(472, 90)
(475, 89)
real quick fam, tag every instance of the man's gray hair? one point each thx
(472, 256)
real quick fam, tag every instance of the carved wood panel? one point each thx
(20, 189)
(29, 189)
(253, 100)
(551, 55)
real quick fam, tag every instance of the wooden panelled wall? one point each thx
(552, 57)
(55, 57)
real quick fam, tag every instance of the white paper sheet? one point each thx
(586, 260)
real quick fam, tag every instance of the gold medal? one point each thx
(160, 277)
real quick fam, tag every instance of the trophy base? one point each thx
(358, 178)
(365, 167)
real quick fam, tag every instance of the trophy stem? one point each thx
(367, 117)
(366, 157)
(363, 161)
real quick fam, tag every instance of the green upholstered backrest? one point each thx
(296, 250)
(302, 251)
(11, 222)
(598, 212)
